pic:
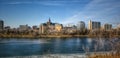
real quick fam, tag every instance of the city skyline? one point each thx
(35, 12)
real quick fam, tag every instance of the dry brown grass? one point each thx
(111, 55)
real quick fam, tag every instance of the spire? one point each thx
(49, 20)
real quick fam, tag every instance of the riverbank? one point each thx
(41, 36)
(52, 56)
(104, 55)
(63, 36)
(51, 36)
(83, 55)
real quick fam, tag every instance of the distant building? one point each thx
(107, 26)
(7, 27)
(58, 27)
(23, 27)
(69, 25)
(93, 25)
(70, 29)
(118, 26)
(1, 24)
(43, 28)
(34, 27)
(35, 30)
(80, 25)
(49, 27)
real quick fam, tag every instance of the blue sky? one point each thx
(35, 12)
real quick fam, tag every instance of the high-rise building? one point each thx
(1, 24)
(107, 26)
(93, 25)
(80, 25)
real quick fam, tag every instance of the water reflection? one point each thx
(23, 41)
(21, 47)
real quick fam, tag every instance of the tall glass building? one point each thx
(93, 25)
(1, 24)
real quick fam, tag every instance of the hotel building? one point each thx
(50, 27)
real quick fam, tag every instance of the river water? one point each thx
(10, 47)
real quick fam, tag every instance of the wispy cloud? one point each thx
(13, 3)
(44, 2)
(48, 3)
(99, 10)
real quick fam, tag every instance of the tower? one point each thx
(89, 25)
(49, 22)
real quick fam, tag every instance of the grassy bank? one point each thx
(105, 55)
(40, 36)
(50, 36)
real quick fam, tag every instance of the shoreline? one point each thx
(79, 55)
(52, 36)
(42, 36)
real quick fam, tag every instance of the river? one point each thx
(10, 47)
